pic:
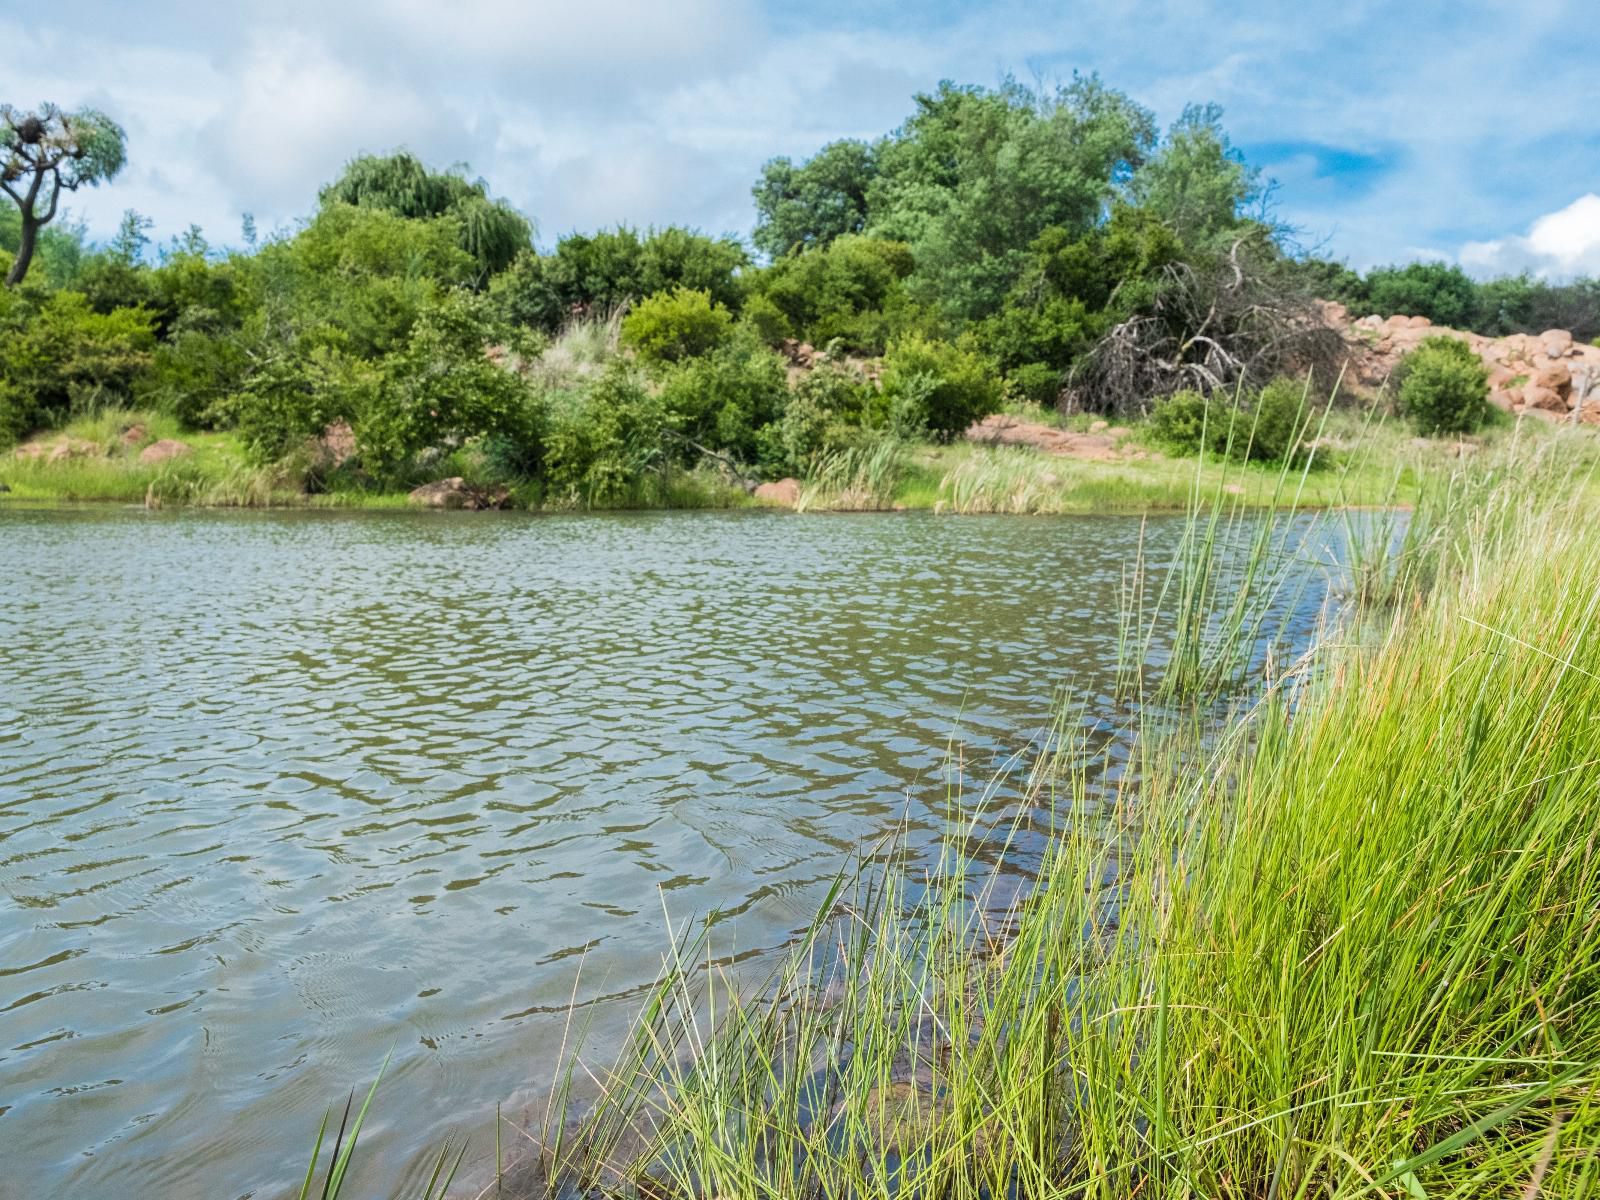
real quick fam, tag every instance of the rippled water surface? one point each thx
(283, 792)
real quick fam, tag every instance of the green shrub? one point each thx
(850, 290)
(439, 391)
(1265, 427)
(1276, 421)
(1037, 383)
(722, 399)
(192, 376)
(1443, 387)
(57, 356)
(287, 398)
(672, 326)
(603, 437)
(766, 319)
(1181, 422)
(824, 413)
(954, 386)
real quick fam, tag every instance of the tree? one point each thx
(45, 153)
(1197, 182)
(976, 174)
(810, 205)
(491, 231)
(1442, 292)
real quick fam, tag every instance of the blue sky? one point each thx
(1468, 131)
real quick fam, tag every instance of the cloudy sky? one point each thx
(1464, 130)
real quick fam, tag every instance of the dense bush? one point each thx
(438, 391)
(1036, 383)
(598, 273)
(1183, 422)
(1443, 387)
(825, 412)
(1268, 426)
(58, 356)
(603, 437)
(725, 399)
(850, 291)
(942, 388)
(671, 326)
(1277, 422)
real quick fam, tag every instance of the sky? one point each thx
(1465, 131)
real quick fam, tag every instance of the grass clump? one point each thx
(1351, 950)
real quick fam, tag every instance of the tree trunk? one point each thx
(30, 237)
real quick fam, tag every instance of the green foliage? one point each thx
(976, 174)
(439, 390)
(57, 355)
(1182, 422)
(671, 326)
(1444, 387)
(1196, 184)
(356, 279)
(603, 437)
(724, 399)
(941, 387)
(798, 208)
(1278, 419)
(851, 290)
(600, 272)
(1037, 383)
(491, 231)
(1441, 292)
(1073, 288)
(194, 375)
(1268, 426)
(824, 414)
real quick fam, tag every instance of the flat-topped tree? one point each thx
(47, 152)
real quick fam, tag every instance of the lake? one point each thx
(283, 792)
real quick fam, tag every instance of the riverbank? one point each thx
(1351, 947)
(145, 458)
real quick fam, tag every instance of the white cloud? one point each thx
(296, 114)
(583, 113)
(1559, 244)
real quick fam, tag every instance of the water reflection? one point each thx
(281, 792)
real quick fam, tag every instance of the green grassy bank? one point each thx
(1360, 463)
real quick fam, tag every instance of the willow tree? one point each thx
(490, 230)
(45, 153)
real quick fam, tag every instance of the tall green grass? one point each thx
(856, 478)
(1347, 944)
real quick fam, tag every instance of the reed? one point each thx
(859, 478)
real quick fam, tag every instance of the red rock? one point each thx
(1557, 377)
(71, 447)
(785, 493)
(1543, 399)
(1556, 342)
(165, 450)
(456, 492)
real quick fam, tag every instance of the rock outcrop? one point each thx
(1548, 375)
(456, 492)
